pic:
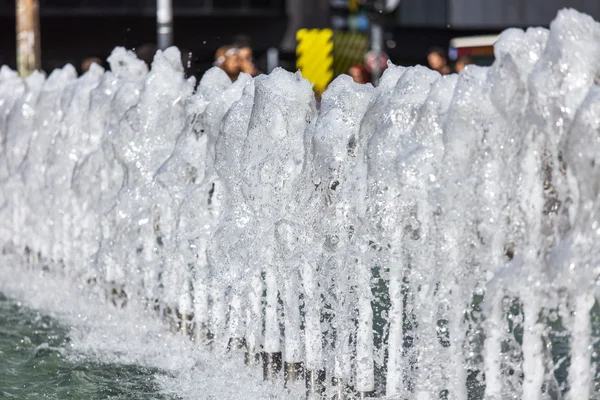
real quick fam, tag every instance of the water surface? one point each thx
(35, 363)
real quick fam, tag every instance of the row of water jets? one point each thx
(428, 238)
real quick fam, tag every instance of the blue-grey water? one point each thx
(34, 363)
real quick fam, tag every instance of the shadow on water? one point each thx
(33, 363)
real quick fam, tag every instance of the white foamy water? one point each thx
(135, 336)
(433, 235)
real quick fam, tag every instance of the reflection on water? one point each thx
(34, 363)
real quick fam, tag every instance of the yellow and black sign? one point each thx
(321, 54)
(353, 6)
(349, 48)
(314, 56)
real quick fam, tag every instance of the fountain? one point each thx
(429, 238)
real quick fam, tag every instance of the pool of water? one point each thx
(60, 339)
(36, 363)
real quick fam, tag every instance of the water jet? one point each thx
(432, 236)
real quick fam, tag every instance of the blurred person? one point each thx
(228, 59)
(461, 63)
(146, 53)
(188, 63)
(318, 99)
(436, 58)
(246, 55)
(359, 73)
(247, 61)
(87, 63)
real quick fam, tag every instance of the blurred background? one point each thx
(408, 30)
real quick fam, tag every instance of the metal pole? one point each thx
(272, 59)
(376, 46)
(164, 23)
(28, 37)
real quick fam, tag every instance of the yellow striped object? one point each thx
(314, 56)
(349, 48)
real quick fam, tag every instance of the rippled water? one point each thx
(97, 351)
(35, 363)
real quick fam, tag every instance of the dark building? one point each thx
(74, 29)
(421, 24)
(461, 14)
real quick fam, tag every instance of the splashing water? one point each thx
(433, 237)
(39, 360)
